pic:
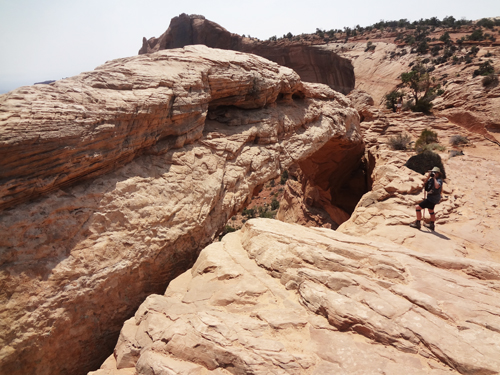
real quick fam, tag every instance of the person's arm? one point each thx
(437, 185)
(427, 176)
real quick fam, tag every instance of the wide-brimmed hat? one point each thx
(436, 169)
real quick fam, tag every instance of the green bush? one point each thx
(477, 35)
(426, 137)
(275, 204)
(484, 69)
(424, 105)
(486, 22)
(399, 142)
(249, 212)
(370, 47)
(284, 177)
(490, 80)
(227, 229)
(268, 214)
(391, 99)
(445, 38)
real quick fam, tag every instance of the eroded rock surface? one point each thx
(467, 214)
(312, 63)
(285, 299)
(135, 167)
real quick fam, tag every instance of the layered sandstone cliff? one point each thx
(283, 299)
(375, 296)
(114, 180)
(312, 63)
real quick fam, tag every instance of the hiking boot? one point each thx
(429, 225)
(415, 224)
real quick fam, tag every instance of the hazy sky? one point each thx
(52, 39)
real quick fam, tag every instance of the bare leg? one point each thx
(419, 212)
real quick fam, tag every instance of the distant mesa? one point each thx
(312, 63)
(45, 82)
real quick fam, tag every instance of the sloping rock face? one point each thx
(284, 299)
(313, 64)
(465, 101)
(467, 214)
(135, 167)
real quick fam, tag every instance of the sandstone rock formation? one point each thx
(113, 180)
(465, 101)
(313, 64)
(376, 72)
(466, 215)
(285, 299)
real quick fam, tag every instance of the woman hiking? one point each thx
(433, 185)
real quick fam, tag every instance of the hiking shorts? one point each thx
(427, 204)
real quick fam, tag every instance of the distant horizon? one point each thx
(58, 39)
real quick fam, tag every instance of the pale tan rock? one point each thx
(160, 151)
(315, 303)
(466, 216)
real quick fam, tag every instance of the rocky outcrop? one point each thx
(466, 216)
(285, 299)
(465, 100)
(114, 180)
(376, 72)
(312, 63)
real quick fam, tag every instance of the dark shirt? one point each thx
(434, 195)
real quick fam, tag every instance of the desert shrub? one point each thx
(426, 137)
(432, 147)
(490, 80)
(391, 99)
(484, 69)
(477, 35)
(435, 50)
(399, 142)
(458, 139)
(370, 46)
(423, 47)
(424, 105)
(275, 204)
(248, 212)
(445, 38)
(425, 161)
(268, 214)
(227, 229)
(486, 22)
(284, 177)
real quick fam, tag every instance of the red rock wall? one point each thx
(313, 64)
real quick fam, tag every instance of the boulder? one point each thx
(312, 63)
(284, 299)
(114, 180)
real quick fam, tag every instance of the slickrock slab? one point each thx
(284, 299)
(467, 220)
(137, 166)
